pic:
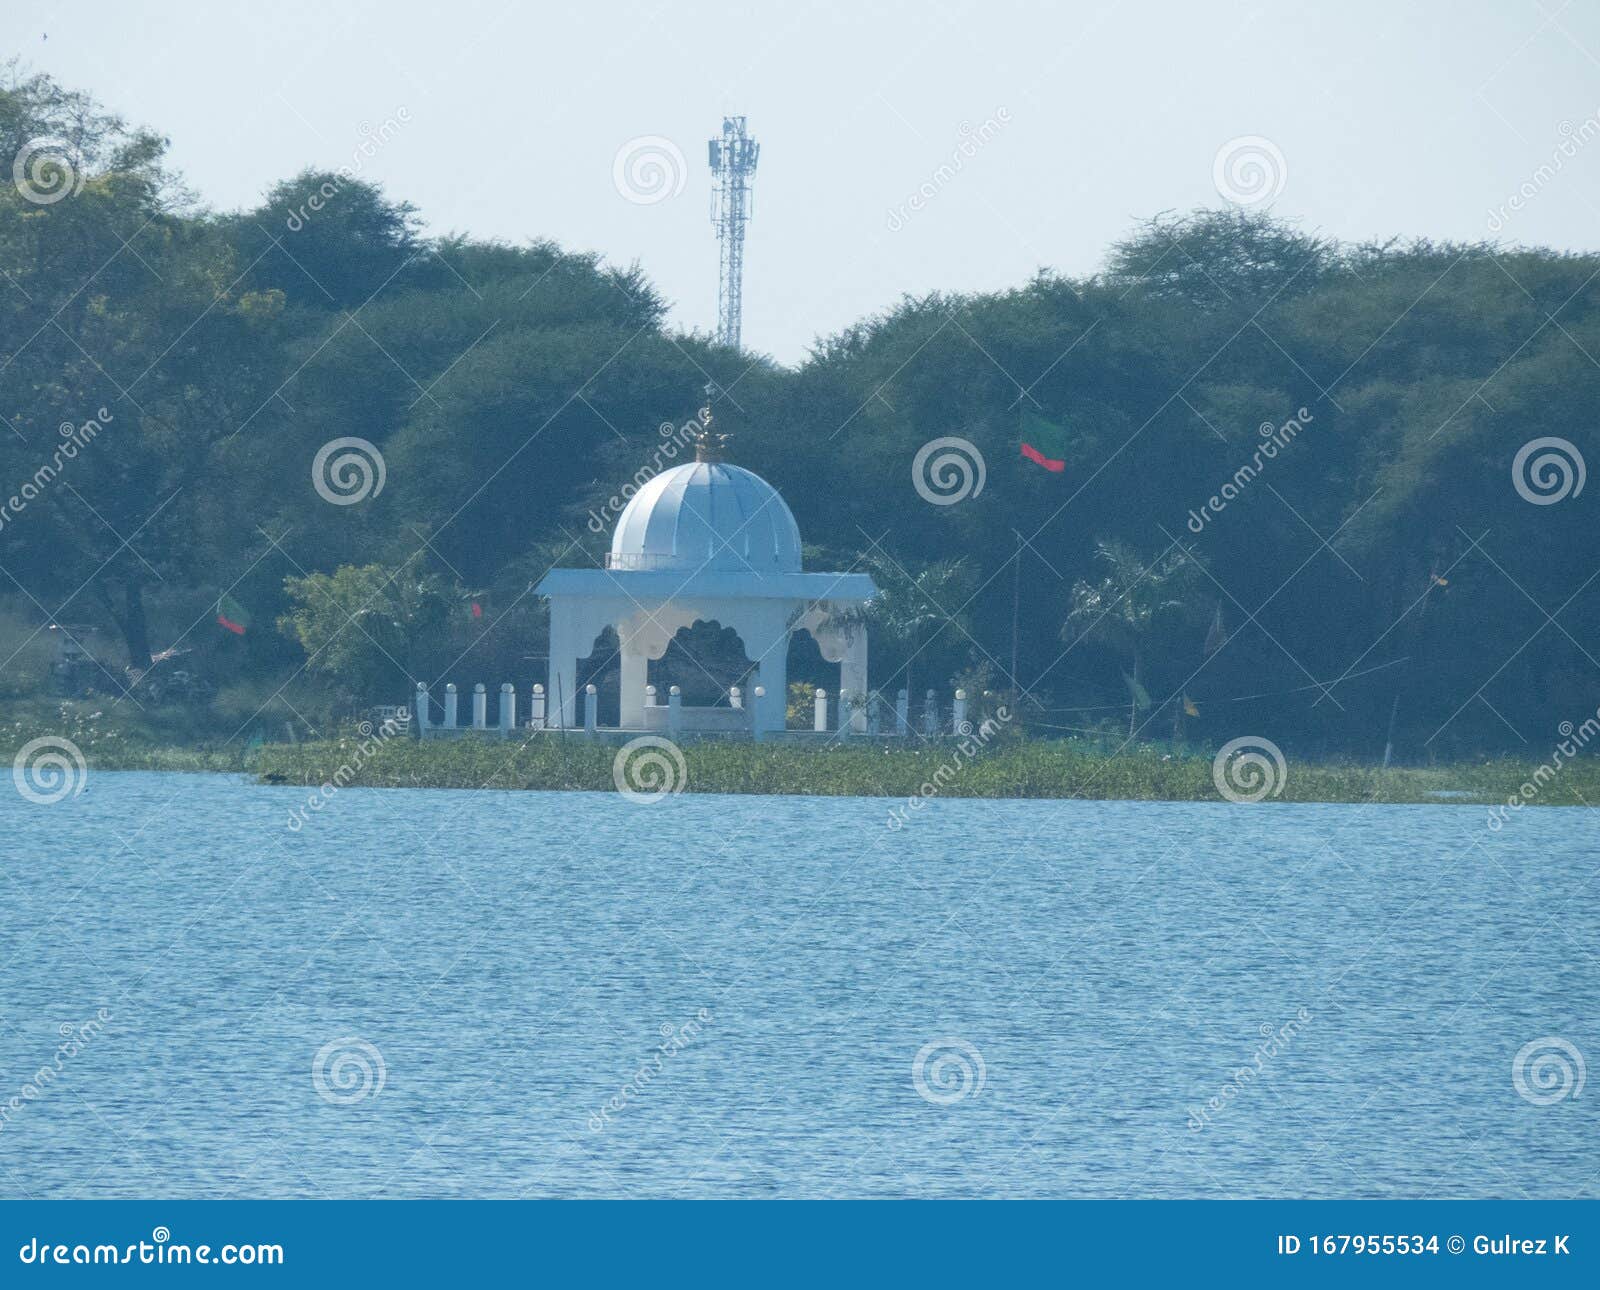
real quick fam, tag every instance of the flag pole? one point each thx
(1016, 599)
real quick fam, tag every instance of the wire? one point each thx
(1238, 698)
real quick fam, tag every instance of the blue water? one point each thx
(511, 959)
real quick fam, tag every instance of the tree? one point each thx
(1217, 258)
(123, 332)
(368, 629)
(330, 240)
(1123, 609)
(912, 608)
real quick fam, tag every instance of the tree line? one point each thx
(1386, 569)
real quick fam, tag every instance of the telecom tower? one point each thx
(733, 164)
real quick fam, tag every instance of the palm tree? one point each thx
(1122, 608)
(910, 608)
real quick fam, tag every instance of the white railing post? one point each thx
(958, 714)
(420, 710)
(846, 708)
(450, 706)
(902, 714)
(930, 714)
(819, 721)
(591, 709)
(536, 708)
(874, 712)
(508, 708)
(480, 707)
(755, 714)
(735, 698)
(674, 711)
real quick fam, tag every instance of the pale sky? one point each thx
(1390, 118)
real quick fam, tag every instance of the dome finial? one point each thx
(709, 442)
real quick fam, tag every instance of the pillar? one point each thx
(819, 716)
(564, 647)
(853, 681)
(635, 666)
(958, 715)
(774, 673)
(591, 709)
(480, 707)
(536, 708)
(420, 709)
(508, 708)
(674, 711)
(755, 713)
(450, 706)
(902, 713)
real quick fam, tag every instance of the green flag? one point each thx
(1043, 442)
(232, 616)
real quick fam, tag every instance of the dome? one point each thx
(707, 515)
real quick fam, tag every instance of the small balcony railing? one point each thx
(635, 562)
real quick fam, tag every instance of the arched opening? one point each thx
(808, 670)
(602, 668)
(704, 660)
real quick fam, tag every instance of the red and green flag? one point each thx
(232, 616)
(1044, 442)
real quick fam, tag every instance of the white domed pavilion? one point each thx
(703, 542)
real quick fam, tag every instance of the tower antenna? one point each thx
(733, 158)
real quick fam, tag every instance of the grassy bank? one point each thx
(1019, 768)
(119, 737)
(1008, 767)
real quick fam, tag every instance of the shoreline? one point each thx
(1016, 770)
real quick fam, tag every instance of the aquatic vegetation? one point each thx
(885, 768)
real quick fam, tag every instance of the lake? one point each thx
(435, 993)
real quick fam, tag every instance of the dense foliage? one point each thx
(1378, 565)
